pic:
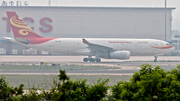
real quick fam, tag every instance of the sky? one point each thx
(117, 3)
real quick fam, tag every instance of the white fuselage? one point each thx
(75, 46)
(98, 47)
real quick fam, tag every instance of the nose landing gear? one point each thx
(155, 60)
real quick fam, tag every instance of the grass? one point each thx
(45, 67)
(45, 81)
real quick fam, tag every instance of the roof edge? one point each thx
(88, 7)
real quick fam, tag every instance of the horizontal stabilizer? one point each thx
(24, 41)
(10, 39)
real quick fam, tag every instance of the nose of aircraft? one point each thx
(172, 48)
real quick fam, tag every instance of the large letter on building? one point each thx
(30, 19)
(8, 24)
(46, 25)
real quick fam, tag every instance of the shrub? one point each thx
(8, 93)
(149, 84)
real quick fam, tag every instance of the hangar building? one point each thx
(88, 22)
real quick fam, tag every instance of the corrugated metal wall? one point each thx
(92, 22)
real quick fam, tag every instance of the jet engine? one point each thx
(116, 55)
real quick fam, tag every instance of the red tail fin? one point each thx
(19, 27)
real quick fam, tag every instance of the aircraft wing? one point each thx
(97, 47)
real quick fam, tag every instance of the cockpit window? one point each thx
(167, 44)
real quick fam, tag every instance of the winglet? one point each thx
(85, 41)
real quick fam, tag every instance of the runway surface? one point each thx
(128, 66)
(78, 59)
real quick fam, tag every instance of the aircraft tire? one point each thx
(98, 60)
(91, 59)
(85, 59)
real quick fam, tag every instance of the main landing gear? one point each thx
(90, 59)
(155, 60)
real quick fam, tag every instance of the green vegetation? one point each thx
(45, 81)
(62, 90)
(145, 85)
(7, 92)
(150, 84)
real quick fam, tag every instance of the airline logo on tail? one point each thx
(19, 27)
(19, 23)
(22, 32)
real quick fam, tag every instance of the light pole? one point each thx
(49, 2)
(165, 20)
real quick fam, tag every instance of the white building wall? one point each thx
(94, 22)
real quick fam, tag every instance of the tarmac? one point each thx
(78, 59)
(128, 67)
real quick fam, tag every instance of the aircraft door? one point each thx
(157, 44)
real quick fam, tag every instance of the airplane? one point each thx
(108, 48)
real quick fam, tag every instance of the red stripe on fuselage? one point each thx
(163, 47)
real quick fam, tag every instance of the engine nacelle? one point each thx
(123, 55)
